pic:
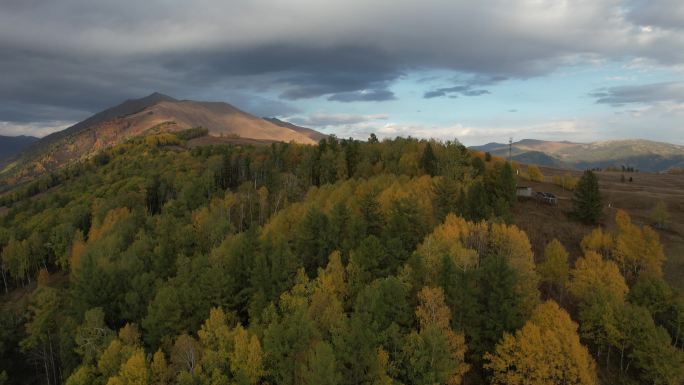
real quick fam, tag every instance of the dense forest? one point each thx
(350, 262)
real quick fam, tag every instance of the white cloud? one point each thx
(322, 120)
(32, 129)
(568, 129)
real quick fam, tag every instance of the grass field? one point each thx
(544, 222)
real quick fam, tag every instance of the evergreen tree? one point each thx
(406, 226)
(508, 183)
(476, 206)
(321, 366)
(371, 214)
(448, 197)
(478, 166)
(428, 161)
(312, 243)
(371, 257)
(586, 202)
(500, 306)
(153, 196)
(341, 228)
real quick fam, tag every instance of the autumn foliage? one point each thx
(349, 262)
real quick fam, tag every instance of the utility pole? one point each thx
(510, 147)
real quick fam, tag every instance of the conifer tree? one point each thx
(587, 199)
(428, 161)
(448, 197)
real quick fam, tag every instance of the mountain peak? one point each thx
(153, 113)
(155, 97)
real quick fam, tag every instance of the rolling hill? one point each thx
(644, 155)
(12, 145)
(152, 114)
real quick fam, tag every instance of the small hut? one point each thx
(523, 191)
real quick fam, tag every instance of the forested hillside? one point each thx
(346, 262)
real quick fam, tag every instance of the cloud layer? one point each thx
(65, 59)
(644, 94)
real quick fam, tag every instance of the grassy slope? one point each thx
(543, 222)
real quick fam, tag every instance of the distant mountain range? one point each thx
(644, 155)
(152, 114)
(12, 145)
(24, 156)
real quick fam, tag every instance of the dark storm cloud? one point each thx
(298, 72)
(62, 60)
(45, 86)
(643, 94)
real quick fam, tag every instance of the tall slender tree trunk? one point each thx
(45, 364)
(52, 360)
(4, 279)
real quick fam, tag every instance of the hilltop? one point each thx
(644, 155)
(12, 145)
(153, 114)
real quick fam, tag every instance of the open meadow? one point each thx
(543, 222)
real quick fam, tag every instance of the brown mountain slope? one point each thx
(313, 134)
(218, 118)
(152, 114)
(128, 107)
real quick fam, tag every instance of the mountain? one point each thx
(12, 145)
(644, 155)
(128, 107)
(313, 134)
(152, 114)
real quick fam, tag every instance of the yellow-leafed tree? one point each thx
(547, 350)
(246, 361)
(535, 174)
(594, 275)
(554, 270)
(134, 371)
(435, 353)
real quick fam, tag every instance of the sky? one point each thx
(477, 71)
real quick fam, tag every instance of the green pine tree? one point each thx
(428, 161)
(587, 199)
